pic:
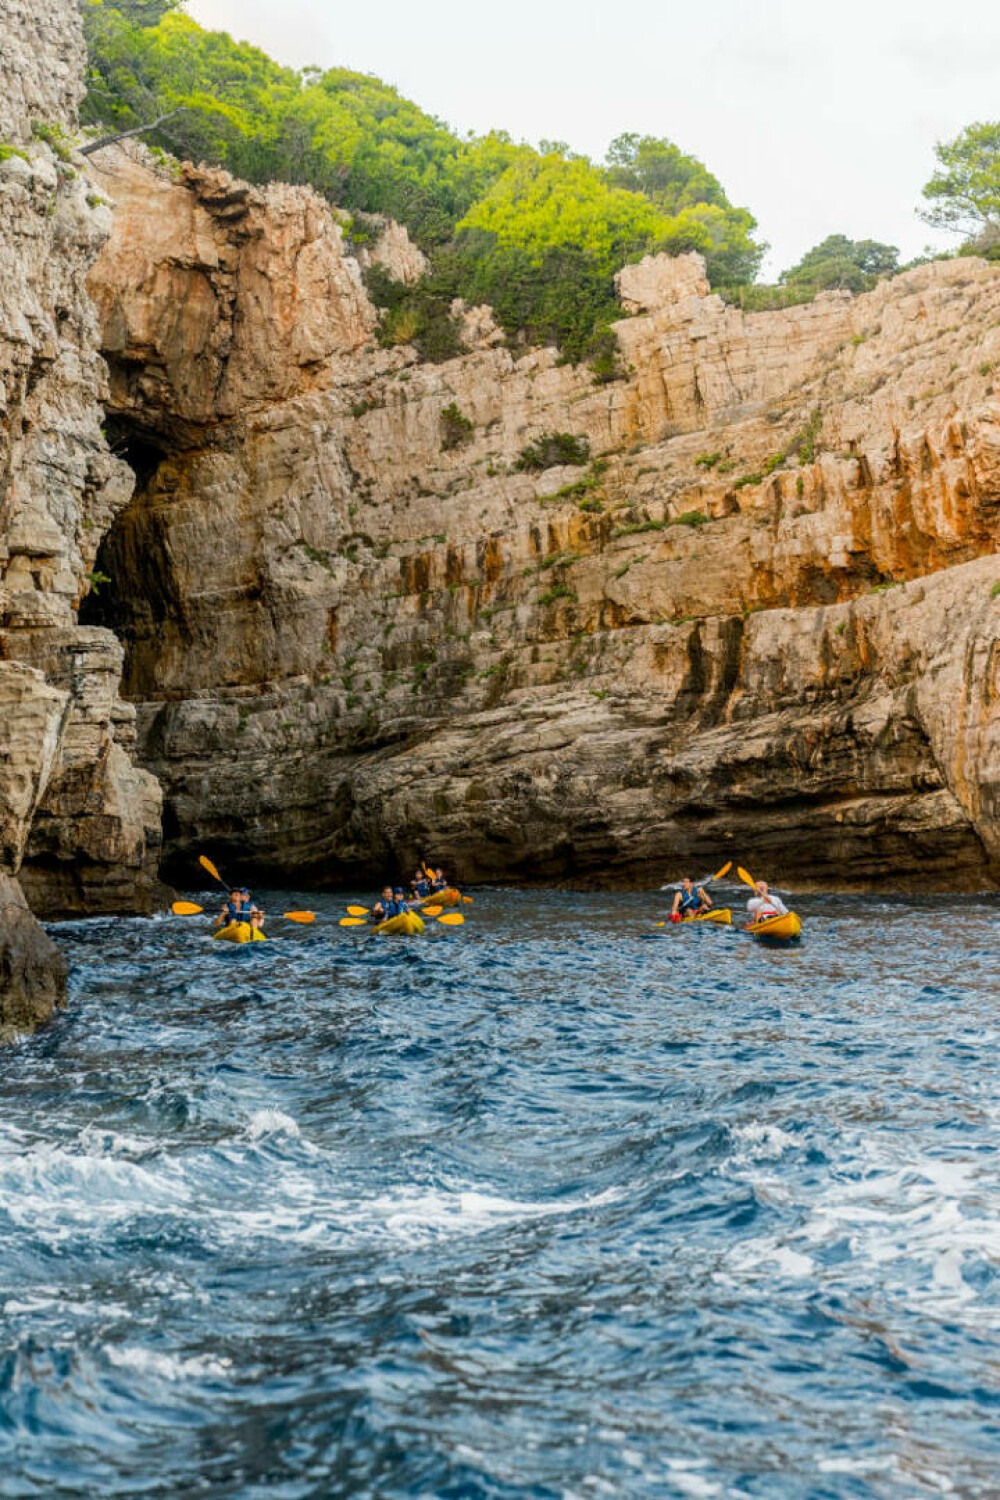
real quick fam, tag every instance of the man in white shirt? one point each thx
(762, 905)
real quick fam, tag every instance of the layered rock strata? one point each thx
(78, 821)
(760, 620)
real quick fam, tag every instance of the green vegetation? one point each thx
(995, 591)
(417, 314)
(842, 264)
(456, 429)
(964, 192)
(557, 591)
(551, 450)
(54, 136)
(701, 216)
(539, 234)
(835, 264)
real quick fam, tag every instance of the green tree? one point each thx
(964, 192)
(686, 191)
(544, 203)
(839, 263)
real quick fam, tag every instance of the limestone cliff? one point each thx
(78, 821)
(760, 621)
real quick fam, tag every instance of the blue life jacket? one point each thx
(422, 888)
(690, 903)
(235, 913)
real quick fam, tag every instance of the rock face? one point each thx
(32, 970)
(77, 819)
(759, 621)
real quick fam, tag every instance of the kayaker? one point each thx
(383, 909)
(233, 911)
(420, 885)
(439, 883)
(690, 901)
(763, 905)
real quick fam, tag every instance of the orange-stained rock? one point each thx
(761, 623)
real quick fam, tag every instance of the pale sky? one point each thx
(820, 119)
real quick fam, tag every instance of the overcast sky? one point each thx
(820, 119)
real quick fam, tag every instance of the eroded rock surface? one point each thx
(77, 819)
(761, 621)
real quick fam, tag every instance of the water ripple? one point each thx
(558, 1205)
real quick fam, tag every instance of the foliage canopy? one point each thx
(538, 233)
(964, 191)
(842, 264)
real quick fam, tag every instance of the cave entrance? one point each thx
(131, 595)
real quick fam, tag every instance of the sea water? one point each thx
(556, 1204)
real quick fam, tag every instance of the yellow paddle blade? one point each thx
(471, 900)
(452, 919)
(186, 909)
(659, 924)
(357, 911)
(745, 877)
(207, 864)
(304, 917)
(431, 911)
(353, 922)
(724, 871)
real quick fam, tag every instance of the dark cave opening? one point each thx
(126, 593)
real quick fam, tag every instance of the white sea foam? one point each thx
(265, 1122)
(54, 1192)
(915, 1223)
(757, 1142)
(166, 1366)
(685, 1476)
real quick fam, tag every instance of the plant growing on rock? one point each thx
(456, 428)
(551, 450)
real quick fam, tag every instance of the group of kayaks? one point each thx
(781, 927)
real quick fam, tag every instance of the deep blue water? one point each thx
(544, 1207)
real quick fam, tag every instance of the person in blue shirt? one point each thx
(233, 911)
(690, 901)
(383, 908)
(421, 886)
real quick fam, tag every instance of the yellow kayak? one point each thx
(720, 914)
(239, 932)
(407, 923)
(786, 929)
(450, 897)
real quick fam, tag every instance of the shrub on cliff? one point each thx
(418, 314)
(456, 428)
(551, 450)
